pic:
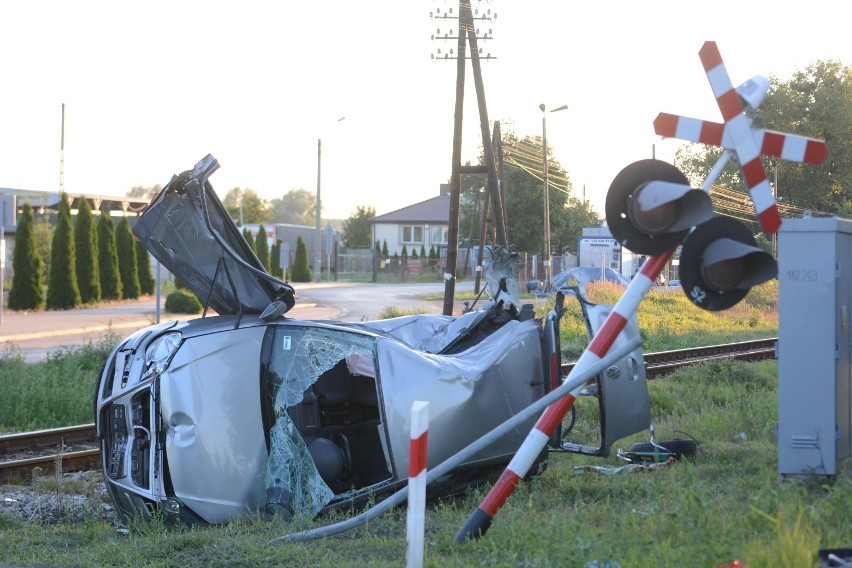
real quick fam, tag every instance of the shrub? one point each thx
(62, 290)
(27, 291)
(275, 258)
(180, 302)
(86, 243)
(301, 270)
(127, 266)
(143, 267)
(261, 247)
(108, 259)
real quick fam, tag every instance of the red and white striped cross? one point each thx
(736, 134)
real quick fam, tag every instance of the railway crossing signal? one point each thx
(737, 135)
(720, 262)
(650, 207)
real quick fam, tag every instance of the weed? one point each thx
(389, 312)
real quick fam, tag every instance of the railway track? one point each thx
(664, 362)
(75, 448)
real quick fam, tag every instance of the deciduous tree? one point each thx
(297, 207)
(524, 202)
(357, 230)
(247, 206)
(815, 102)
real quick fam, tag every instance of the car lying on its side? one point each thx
(249, 412)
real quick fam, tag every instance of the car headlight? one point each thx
(160, 351)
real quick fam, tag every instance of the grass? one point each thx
(54, 393)
(726, 503)
(668, 320)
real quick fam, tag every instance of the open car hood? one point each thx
(188, 230)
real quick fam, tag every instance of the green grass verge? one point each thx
(726, 503)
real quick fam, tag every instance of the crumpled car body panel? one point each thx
(188, 230)
(246, 415)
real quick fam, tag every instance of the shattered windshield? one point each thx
(297, 357)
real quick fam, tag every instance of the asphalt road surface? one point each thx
(37, 334)
(363, 302)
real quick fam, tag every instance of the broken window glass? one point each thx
(299, 357)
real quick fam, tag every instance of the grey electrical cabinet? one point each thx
(814, 372)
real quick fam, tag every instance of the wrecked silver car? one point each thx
(249, 413)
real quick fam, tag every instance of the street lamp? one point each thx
(318, 235)
(546, 194)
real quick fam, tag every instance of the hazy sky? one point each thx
(152, 87)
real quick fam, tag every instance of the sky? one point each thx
(151, 88)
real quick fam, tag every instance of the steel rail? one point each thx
(46, 438)
(656, 365)
(22, 470)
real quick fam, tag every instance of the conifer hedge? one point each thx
(62, 290)
(86, 245)
(27, 292)
(127, 266)
(108, 259)
(261, 247)
(301, 272)
(143, 265)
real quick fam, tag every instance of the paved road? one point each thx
(37, 334)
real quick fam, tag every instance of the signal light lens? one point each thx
(725, 275)
(720, 262)
(654, 221)
(650, 207)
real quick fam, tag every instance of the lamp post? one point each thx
(318, 235)
(546, 194)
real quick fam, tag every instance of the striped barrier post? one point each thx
(417, 483)
(480, 520)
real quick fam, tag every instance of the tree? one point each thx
(86, 244)
(297, 207)
(27, 292)
(816, 102)
(43, 237)
(254, 209)
(108, 259)
(261, 246)
(127, 265)
(62, 290)
(385, 248)
(250, 240)
(144, 191)
(525, 203)
(275, 258)
(143, 265)
(301, 272)
(357, 230)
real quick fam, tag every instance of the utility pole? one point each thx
(546, 195)
(467, 35)
(62, 154)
